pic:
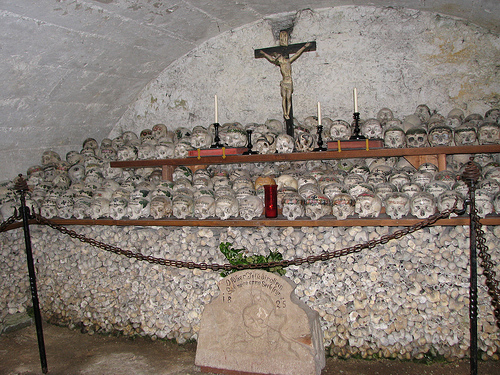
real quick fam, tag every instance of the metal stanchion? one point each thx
(22, 188)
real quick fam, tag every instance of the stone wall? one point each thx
(404, 299)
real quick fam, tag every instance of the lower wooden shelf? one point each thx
(280, 221)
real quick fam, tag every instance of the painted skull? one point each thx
(422, 205)
(99, 207)
(182, 206)
(181, 149)
(126, 152)
(159, 131)
(343, 205)
(484, 204)
(440, 135)
(204, 207)
(285, 144)
(160, 207)
(250, 206)
(372, 129)
(368, 205)
(416, 137)
(108, 153)
(200, 138)
(305, 142)
(333, 189)
(48, 209)
(422, 178)
(90, 143)
(226, 206)
(489, 133)
(317, 206)
(138, 208)
(74, 157)
(447, 200)
(394, 138)
(265, 144)
(423, 112)
(436, 188)
(384, 190)
(118, 208)
(49, 157)
(384, 115)
(232, 134)
(165, 150)
(146, 151)
(292, 206)
(339, 130)
(466, 134)
(397, 205)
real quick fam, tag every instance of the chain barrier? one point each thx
(228, 267)
(7, 223)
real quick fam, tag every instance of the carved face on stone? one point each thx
(165, 150)
(226, 206)
(201, 138)
(265, 144)
(293, 206)
(317, 206)
(397, 205)
(384, 115)
(368, 205)
(465, 135)
(422, 205)
(440, 135)
(447, 200)
(484, 204)
(416, 137)
(489, 133)
(343, 205)
(160, 207)
(372, 129)
(250, 206)
(118, 208)
(99, 207)
(285, 144)
(340, 130)
(204, 207)
(394, 138)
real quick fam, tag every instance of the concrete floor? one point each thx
(71, 352)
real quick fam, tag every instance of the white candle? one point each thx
(355, 95)
(216, 110)
(319, 113)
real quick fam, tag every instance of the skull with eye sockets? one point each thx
(226, 206)
(204, 207)
(488, 133)
(182, 206)
(423, 205)
(448, 199)
(394, 137)
(397, 205)
(416, 137)
(250, 206)
(317, 206)
(440, 135)
(293, 206)
(339, 130)
(118, 208)
(368, 205)
(343, 205)
(285, 144)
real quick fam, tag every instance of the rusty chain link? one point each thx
(227, 267)
(11, 220)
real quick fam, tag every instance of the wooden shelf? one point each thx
(280, 221)
(304, 156)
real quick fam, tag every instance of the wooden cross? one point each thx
(280, 56)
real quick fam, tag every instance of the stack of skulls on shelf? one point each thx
(85, 186)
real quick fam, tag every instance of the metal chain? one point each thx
(11, 220)
(227, 267)
(487, 265)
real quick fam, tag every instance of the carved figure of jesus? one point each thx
(285, 64)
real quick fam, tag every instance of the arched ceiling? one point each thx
(70, 68)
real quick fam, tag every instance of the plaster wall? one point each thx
(396, 58)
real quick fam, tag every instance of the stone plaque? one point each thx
(258, 326)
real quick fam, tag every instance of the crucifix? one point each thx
(280, 56)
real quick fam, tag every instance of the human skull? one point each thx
(292, 206)
(368, 205)
(265, 144)
(446, 176)
(307, 190)
(81, 207)
(146, 151)
(496, 203)
(99, 207)
(399, 179)
(340, 130)
(397, 205)
(126, 152)
(317, 206)
(353, 179)
(489, 133)
(204, 207)
(250, 206)
(160, 207)
(394, 138)
(484, 204)
(489, 185)
(416, 137)
(159, 131)
(466, 134)
(456, 113)
(49, 157)
(232, 134)
(422, 205)
(74, 157)
(384, 115)
(226, 206)
(181, 149)
(118, 208)
(343, 205)
(165, 150)
(423, 112)
(182, 171)
(201, 137)
(358, 189)
(305, 142)
(90, 143)
(138, 208)
(285, 144)
(440, 135)
(422, 178)
(448, 199)
(428, 167)
(436, 188)
(372, 129)
(182, 206)
(108, 153)
(384, 190)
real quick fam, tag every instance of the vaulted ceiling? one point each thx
(70, 68)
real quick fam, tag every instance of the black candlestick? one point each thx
(320, 139)
(249, 144)
(217, 143)
(356, 132)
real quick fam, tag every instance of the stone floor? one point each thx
(71, 352)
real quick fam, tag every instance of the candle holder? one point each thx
(217, 143)
(249, 150)
(320, 139)
(356, 132)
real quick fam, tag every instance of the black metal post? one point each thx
(356, 133)
(217, 143)
(32, 276)
(473, 283)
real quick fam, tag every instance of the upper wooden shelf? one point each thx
(304, 156)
